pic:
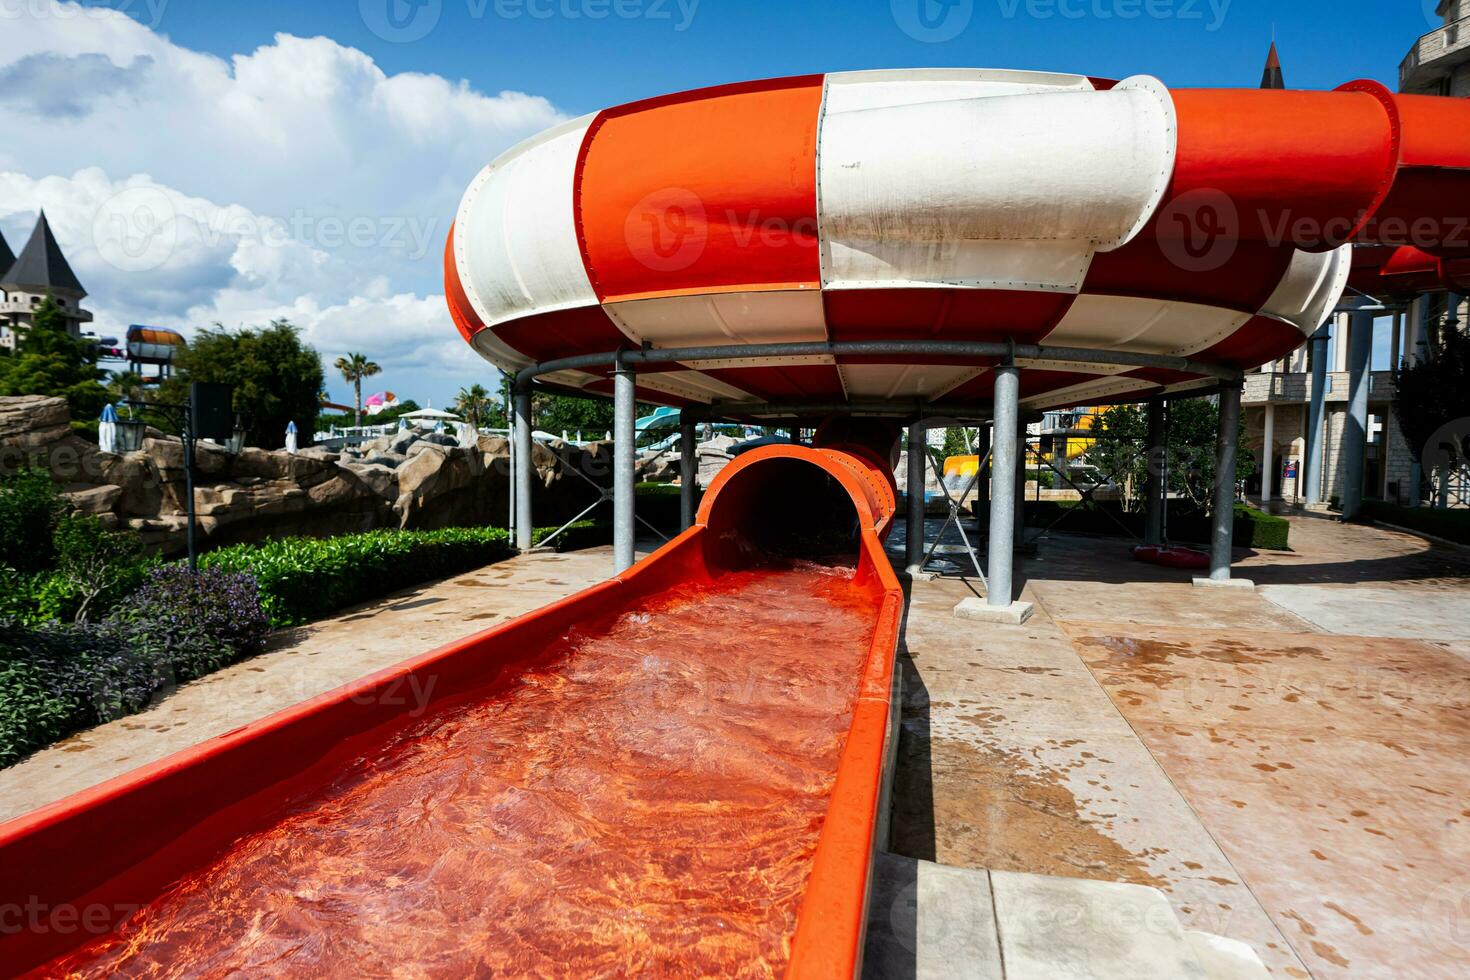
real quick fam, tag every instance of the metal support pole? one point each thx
(188, 434)
(1316, 415)
(1022, 444)
(523, 468)
(1222, 519)
(624, 409)
(981, 506)
(917, 451)
(1355, 436)
(688, 472)
(1268, 453)
(1153, 484)
(1003, 493)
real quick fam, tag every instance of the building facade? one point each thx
(1439, 62)
(1277, 395)
(25, 279)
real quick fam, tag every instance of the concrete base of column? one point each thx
(979, 611)
(1224, 583)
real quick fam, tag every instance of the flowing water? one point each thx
(646, 800)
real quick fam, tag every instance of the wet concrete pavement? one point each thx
(1284, 775)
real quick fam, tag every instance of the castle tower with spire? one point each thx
(1273, 77)
(25, 279)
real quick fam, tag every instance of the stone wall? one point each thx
(405, 480)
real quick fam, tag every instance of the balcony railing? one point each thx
(1453, 37)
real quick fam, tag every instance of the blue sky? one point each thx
(209, 161)
(564, 50)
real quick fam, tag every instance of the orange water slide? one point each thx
(109, 851)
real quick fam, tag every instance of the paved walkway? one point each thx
(1287, 764)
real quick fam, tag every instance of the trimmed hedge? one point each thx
(1253, 528)
(302, 579)
(58, 678)
(1452, 525)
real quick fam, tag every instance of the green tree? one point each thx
(276, 377)
(355, 367)
(49, 361)
(1432, 394)
(1120, 450)
(473, 403)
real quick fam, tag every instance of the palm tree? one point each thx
(354, 368)
(474, 402)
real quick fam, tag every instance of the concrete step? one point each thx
(1226, 959)
(927, 920)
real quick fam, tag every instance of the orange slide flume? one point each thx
(678, 771)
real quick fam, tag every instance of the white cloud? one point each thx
(296, 180)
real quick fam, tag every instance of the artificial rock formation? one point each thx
(402, 480)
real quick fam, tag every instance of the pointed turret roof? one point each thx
(1273, 77)
(41, 264)
(7, 257)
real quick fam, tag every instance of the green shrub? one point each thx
(1452, 525)
(1257, 529)
(61, 677)
(189, 625)
(30, 509)
(302, 579)
(95, 568)
(1253, 529)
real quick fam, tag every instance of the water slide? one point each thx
(681, 769)
(677, 770)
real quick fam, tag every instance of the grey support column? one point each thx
(1019, 542)
(997, 606)
(982, 482)
(1222, 516)
(914, 529)
(1153, 484)
(1355, 436)
(1000, 552)
(688, 472)
(523, 468)
(1316, 414)
(624, 449)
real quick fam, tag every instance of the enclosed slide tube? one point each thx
(79, 867)
(970, 205)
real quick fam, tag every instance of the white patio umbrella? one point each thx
(107, 430)
(430, 415)
(291, 438)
